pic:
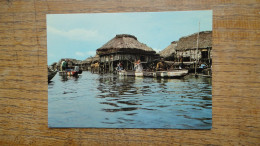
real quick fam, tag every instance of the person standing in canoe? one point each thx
(138, 66)
(64, 65)
(61, 65)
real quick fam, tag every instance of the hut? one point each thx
(71, 63)
(95, 59)
(187, 47)
(169, 52)
(126, 49)
(86, 64)
(95, 68)
(74, 62)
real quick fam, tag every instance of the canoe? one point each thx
(177, 73)
(156, 74)
(51, 74)
(71, 72)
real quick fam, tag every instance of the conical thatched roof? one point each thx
(190, 42)
(168, 51)
(124, 43)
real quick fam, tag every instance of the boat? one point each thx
(156, 74)
(51, 74)
(71, 72)
(177, 73)
(130, 73)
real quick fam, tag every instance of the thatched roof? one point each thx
(124, 43)
(168, 51)
(95, 58)
(190, 42)
(88, 60)
(54, 63)
(71, 61)
(91, 59)
(74, 61)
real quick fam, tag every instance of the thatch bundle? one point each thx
(190, 42)
(168, 51)
(124, 43)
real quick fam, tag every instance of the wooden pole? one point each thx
(112, 66)
(127, 65)
(197, 51)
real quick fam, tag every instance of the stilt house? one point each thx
(187, 47)
(126, 49)
(86, 64)
(71, 63)
(169, 53)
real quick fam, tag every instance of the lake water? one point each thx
(112, 101)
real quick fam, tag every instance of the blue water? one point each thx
(111, 101)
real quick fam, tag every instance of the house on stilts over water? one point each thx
(87, 64)
(124, 49)
(169, 53)
(186, 49)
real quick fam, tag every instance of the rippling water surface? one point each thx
(111, 101)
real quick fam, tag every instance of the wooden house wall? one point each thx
(191, 53)
(85, 66)
(128, 57)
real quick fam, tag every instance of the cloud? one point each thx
(76, 34)
(80, 54)
(86, 54)
(91, 53)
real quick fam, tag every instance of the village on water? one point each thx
(126, 56)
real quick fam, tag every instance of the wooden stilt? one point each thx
(112, 66)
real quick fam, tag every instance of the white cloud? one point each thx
(80, 54)
(91, 53)
(85, 54)
(76, 34)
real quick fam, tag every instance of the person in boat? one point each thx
(67, 65)
(119, 66)
(181, 63)
(138, 66)
(64, 65)
(61, 64)
(160, 65)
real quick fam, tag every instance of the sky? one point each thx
(78, 36)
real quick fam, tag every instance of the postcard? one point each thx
(130, 70)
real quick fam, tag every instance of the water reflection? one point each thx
(112, 101)
(66, 78)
